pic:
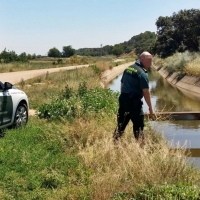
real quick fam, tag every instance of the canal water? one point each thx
(168, 98)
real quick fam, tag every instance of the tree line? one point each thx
(7, 56)
(176, 33)
(138, 43)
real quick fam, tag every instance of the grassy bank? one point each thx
(185, 63)
(71, 155)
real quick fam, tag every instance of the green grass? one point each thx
(36, 163)
(76, 159)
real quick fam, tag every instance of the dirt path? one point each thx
(16, 77)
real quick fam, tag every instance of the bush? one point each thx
(95, 69)
(160, 192)
(170, 192)
(73, 104)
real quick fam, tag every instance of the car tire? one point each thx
(21, 116)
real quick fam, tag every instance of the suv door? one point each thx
(6, 107)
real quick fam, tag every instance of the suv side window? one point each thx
(1, 86)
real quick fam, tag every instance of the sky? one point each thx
(39, 25)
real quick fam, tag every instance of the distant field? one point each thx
(41, 61)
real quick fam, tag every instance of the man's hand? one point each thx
(147, 97)
(151, 112)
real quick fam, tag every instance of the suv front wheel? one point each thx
(21, 116)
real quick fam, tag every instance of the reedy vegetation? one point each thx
(76, 159)
(185, 63)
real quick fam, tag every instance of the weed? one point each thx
(22, 83)
(47, 76)
(96, 69)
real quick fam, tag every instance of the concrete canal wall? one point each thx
(189, 85)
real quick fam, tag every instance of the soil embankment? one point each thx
(189, 85)
(110, 74)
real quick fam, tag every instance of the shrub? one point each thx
(95, 69)
(73, 104)
(170, 192)
(22, 83)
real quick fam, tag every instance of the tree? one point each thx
(8, 56)
(187, 28)
(68, 51)
(139, 43)
(179, 32)
(54, 52)
(29, 57)
(34, 56)
(23, 57)
(165, 44)
(117, 50)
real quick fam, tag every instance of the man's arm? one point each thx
(147, 97)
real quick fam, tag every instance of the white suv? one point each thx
(14, 106)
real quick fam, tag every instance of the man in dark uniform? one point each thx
(134, 86)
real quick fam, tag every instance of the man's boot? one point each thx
(117, 134)
(139, 136)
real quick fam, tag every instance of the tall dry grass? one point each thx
(103, 66)
(186, 62)
(18, 66)
(47, 87)
(125, 166)
(193, 67)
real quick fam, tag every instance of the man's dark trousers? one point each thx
(130, 108)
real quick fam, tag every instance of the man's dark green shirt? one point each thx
(134, 79)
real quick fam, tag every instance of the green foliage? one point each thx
(94, 51)
(117, 50)
(23, 57)
(59, 61)
(11, 56)
(68, 51)
(34, 164)
(82, 89)
(54, 52)
(170, 192)
(177, 62)
(47, 75)
(74, 104)
(22, 83)
(7, 57)
(142, 42)
(96, 69)
(84, 60)
(67, 93)
(179, 32)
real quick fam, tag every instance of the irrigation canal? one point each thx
(166, 98)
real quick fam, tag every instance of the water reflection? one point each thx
(170, 98)
(165, 97)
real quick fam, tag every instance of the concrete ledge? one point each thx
(110, 74)
(187, 84)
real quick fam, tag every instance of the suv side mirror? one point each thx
(7, 86)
